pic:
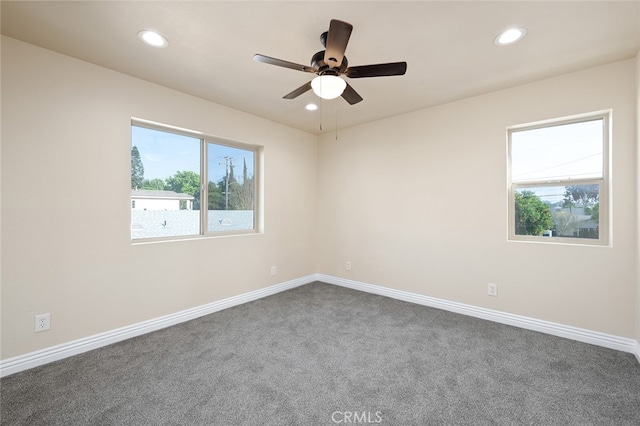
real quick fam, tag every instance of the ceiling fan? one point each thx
(331, 63)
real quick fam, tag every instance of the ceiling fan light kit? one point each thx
(328, 86)
(331, 63)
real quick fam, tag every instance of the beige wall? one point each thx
(418, 203)
(637, 194)
(65, 137)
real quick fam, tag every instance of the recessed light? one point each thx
(311, 107)
(153, 38)
(509, 36)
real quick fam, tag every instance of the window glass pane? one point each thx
(165, 184)
(231, 188)
(568, 151)
(571, 211)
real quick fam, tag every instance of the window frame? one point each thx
(205, 140)
(604, 182)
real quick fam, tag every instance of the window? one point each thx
(559, 180)
(186, 184)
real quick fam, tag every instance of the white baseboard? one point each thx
(65, 350)
(569, 332)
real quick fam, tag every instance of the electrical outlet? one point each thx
(274, 271)
(347, 265)
(492, 289)
(43, 322)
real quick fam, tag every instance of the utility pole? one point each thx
(229, 164)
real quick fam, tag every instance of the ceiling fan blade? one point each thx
(350, 95)
(279, 62)
(377, 70)
(299, 91)
(337, 39)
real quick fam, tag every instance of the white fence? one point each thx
(171, 223)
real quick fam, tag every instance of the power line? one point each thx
(560, 164)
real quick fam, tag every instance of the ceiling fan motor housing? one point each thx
(321, 67)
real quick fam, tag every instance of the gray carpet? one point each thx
(325, 355)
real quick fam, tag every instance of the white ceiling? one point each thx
(448, 47)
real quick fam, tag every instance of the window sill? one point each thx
(142, 241)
